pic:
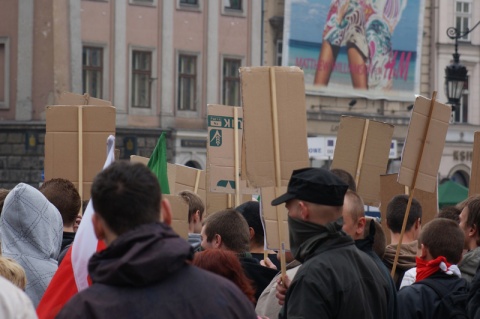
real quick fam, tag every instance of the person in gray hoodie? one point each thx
(31, 229)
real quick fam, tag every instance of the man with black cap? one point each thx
(336, 280)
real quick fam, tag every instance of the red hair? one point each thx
(226, 264)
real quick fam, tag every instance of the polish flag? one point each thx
(72, 274)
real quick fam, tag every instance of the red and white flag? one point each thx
(72, 274)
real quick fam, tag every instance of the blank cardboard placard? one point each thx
(258, 137)
(69, 98)
(139, 159)
(270, 219)
(390, 188)
(221, 149)
(432, 144)
(474, 186)
(187, 177)
(362, 149)
(179, 215)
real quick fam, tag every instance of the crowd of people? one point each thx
(339, 263)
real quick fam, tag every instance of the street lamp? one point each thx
(456, 73)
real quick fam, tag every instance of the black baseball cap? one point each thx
(314, 185)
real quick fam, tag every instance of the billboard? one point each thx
(368, 48)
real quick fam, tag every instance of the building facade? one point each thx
(159, 62)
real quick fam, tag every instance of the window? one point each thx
(4, 73)
(187, 82)
(461, 112)
(233, 5)
(141, 78)
(144, 2)
(189, 2)
(231, 82)
(279, 50)
(92, 71)
(463, 14)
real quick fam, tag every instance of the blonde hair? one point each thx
(13, 272)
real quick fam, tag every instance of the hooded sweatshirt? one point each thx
(406, 259)
(145, 273)
(31, 229)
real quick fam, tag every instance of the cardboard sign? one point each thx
(270, 218)
(259, 138)
(179, 215)
(474, 186)
(389, 188)
(221, 149)
(362, 149)
(73, 156)
(188, 178)
(68, 98)
(425, 143)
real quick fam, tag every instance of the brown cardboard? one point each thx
(474, 186)
(179, 215)
(68, 98)
(362, 149)
(390, 188)
(62, 140)
(221, 149)
(258, 135)
(142, 160)
(432, 145)
(270, 219)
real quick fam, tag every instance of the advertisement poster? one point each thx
(368, 48)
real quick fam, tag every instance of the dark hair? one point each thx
(396, 212)
(126, 195)
(443, 237)
(3, 194)
(231, 226)
(251, 212)
(474, 214)
(65, 197)
(226, 264)
(194, 203)
(346, 177)
(450, 212)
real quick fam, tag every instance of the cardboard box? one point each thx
(258, 159)
(390, 188)
(474, 186)
(270, 218)
(62, 141)
(221, 150)
(179, 214)
(68, 98)
(425, 144)
(362, 149)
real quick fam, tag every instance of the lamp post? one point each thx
(456, 73)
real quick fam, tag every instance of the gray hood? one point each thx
(31, 229)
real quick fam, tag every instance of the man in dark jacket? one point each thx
(336, 279)
(437, 274)
(144, 272)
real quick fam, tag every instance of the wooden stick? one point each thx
(414, 181)
(278, 175)
(229, 201)
(237, 157)
(197, 181)
(80, 151)
(362, 152)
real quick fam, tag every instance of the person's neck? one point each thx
(408, 237)
(472, 244)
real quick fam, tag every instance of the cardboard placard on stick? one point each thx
(389, 187)
(223, 149)
(75, 140)
(474, 186)
(258, 159)
(362, 149)
(179, 214)
(429, 143)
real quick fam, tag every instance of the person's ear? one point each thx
(217, 241)
(303, 211)
(166, 212)
(196, 216)
(473, 231)
(252, 233)
(98, 227)
(424, 251)
(361, 226)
